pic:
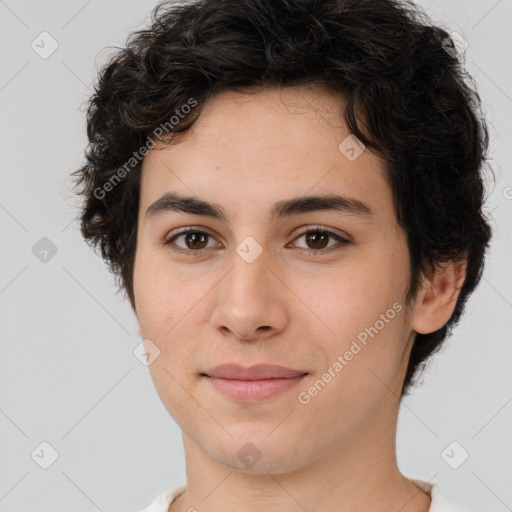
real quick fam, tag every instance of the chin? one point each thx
(258, 455)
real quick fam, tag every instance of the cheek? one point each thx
(162, 306)
(363, 307)
(359, 363)
(151, 297)
(354, 298)
(170, 312)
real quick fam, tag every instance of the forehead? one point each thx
(232, 118)
(271, 144)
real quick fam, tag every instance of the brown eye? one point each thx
(196, 240)
(192, 241)
(317, 241)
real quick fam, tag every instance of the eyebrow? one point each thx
(174, 202)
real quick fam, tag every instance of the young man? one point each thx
(289, 192)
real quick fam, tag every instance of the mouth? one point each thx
(253, 384)
(252, 391)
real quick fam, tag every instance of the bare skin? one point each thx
(297, 304)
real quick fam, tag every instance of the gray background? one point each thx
(68, 376)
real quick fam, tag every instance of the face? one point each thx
(256, 284)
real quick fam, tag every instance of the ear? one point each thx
(436, 299)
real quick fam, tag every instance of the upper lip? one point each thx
(256, 372)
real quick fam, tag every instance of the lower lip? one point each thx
(253, 390)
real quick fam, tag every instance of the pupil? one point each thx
(193, 238)
(312, 237)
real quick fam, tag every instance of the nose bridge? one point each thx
(247, 280)
(248, 300)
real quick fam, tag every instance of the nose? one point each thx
(251, 300)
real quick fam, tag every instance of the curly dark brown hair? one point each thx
(403, 81)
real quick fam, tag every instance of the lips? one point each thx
(253, 384)
(256, 372)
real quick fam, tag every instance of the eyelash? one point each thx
(310, 252)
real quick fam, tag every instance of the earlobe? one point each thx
(437, 298)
